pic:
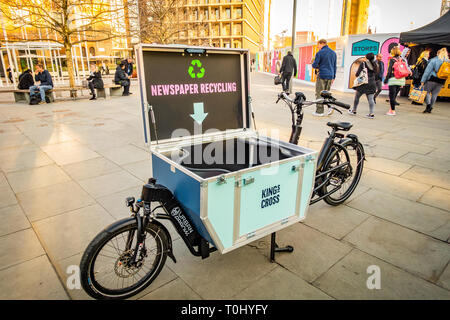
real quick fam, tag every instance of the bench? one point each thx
(23, 95)
(114, 90)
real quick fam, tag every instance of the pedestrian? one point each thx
(379, 76)
(26, 80)
(369, 88)
(288, 66)
(128, 66)
(419, 68)
(120, 77)
(94, 81)
(394, 83)
(430, 81)
(10, 75)
(45, 82)
(325, 62)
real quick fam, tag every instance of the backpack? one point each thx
(35, 99)
(444, 70)
(400, 69)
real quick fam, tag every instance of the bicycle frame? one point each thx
(326, 151)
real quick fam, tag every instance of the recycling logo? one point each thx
(196, 70)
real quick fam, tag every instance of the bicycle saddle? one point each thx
(340, 125)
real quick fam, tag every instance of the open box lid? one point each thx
(189, 91)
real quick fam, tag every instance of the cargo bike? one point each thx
(215, 178)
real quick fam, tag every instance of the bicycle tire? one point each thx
(89, 258)
(355, 180)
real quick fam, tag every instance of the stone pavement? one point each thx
(66, 168)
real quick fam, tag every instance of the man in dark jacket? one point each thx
(45, 82)
(288, 66)
(379, 77)
(325, 61)
(128, 66)
(120, 77)
(26, 80)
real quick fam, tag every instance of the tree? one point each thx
(68, 19)
(161, 21)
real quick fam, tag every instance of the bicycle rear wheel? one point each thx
(107, 270)
(349, 157)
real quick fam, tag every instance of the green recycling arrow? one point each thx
(199, 113)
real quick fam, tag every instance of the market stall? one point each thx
(434, 35)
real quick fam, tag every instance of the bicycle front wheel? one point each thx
(346, 165)
(107, 268)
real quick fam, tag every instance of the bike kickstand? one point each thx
(275, 248)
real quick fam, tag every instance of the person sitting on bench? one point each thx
(45, 82)
(26, 80)
(120, 77)
(94, 81)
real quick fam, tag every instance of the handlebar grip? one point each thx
(341, 104)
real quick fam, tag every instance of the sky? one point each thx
(387, 16)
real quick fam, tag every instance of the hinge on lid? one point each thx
(221, 180)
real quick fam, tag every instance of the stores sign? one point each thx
(363, 47)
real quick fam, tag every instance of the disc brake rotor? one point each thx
(124, 267)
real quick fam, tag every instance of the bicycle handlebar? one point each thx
(284, 96)
(340, 104)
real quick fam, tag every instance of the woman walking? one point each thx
(430, 81)
(393, 82)
(369, 88)
(419, 68)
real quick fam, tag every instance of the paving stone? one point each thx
(125, 154)
(31, 280)
(314, 252)
(3, 182)
(289, 287)
(67, 234)
(26, 160)
(52, 200)
(437, 197)
(19, 247)
(13, 140)
(426, 161)
(13, 220)
(444, 279)
(404, 248)
(387, 166)
(428, 176)
(334, 221)
(174, 290)
(348, 278)
(404, 145)
(7, 197)
(141, 169)
(37, 177)
(413, 215)
(384, 152)
(91, 168)
(48, 135)
(231, 272)
(393, 185)
(69, 152)
(110, 183)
